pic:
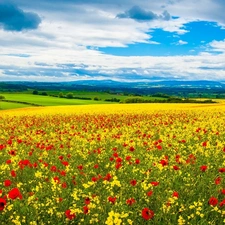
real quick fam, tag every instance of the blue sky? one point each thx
(121, 40)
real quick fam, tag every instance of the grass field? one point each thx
(11, 105)
(55, 101)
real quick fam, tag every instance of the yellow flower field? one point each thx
(113, 164)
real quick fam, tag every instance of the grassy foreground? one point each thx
(120, 164)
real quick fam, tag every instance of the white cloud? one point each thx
(180, 42)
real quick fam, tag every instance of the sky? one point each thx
(120, 40)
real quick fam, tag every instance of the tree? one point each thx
(69, 95)
(61, 95)
(35, 92)
(44, 93)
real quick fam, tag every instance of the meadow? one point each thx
(114, 164)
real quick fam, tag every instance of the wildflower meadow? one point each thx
(114, 164)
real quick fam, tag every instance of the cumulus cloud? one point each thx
(13, 18)
(139, 14)
(180, 42)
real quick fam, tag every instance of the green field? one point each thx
(55, 101)
(12, 105)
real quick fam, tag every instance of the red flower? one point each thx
(69, 215)
(175, 194)
(218, 180)
(53, 169)
(149, 193)
(137, 161)
(65, 163)
(64, 185)
(221, 170)
(203, 168)
(8, 161)
(2, 203)
(163, 162)
(7, 183)
(223, 191)
(112, 199)
(128, 158)
(176, 167)
(154, 183)
(213, 201)
(204, 144)
(15, 193)
(87, 201)
(130, 201)
(13, 173)
(147, 214)
(133, 182)
(132, 148)
(85, 209)
(222, 203)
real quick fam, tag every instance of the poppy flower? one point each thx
(213, 201)
(69, 215)
(13, 173)
(7, 183)
(149, 193)
(15, 193)
(147, 214)
(2, 203)
(222, 203)
(222, 170)
(203, 168)
(130, 201)
(112, 199)
(175, 194)
(85, 209)
(133, 182)
(87, 201)
(154, 183)
(218, 180)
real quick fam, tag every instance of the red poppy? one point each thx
(128, 158)
(203, 168)
(2, 203)
(218, 180)
(64, 185)
(147, 214)
(149, 193)
(213, 201)
(175, 194)
(7, 183)
(223, 191)
(221, 170)
(130, 201)
(154, 183)
(133, 182)
(8, 161)
(176, 167)
(137, 161)
(222, 203)
(132, 148)
(13, 173)
(15, 193)
(69, 215)
(85, 209)
(87, 201)
(112, 199)
(163, 162)
(65, 163)
(53, 169)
